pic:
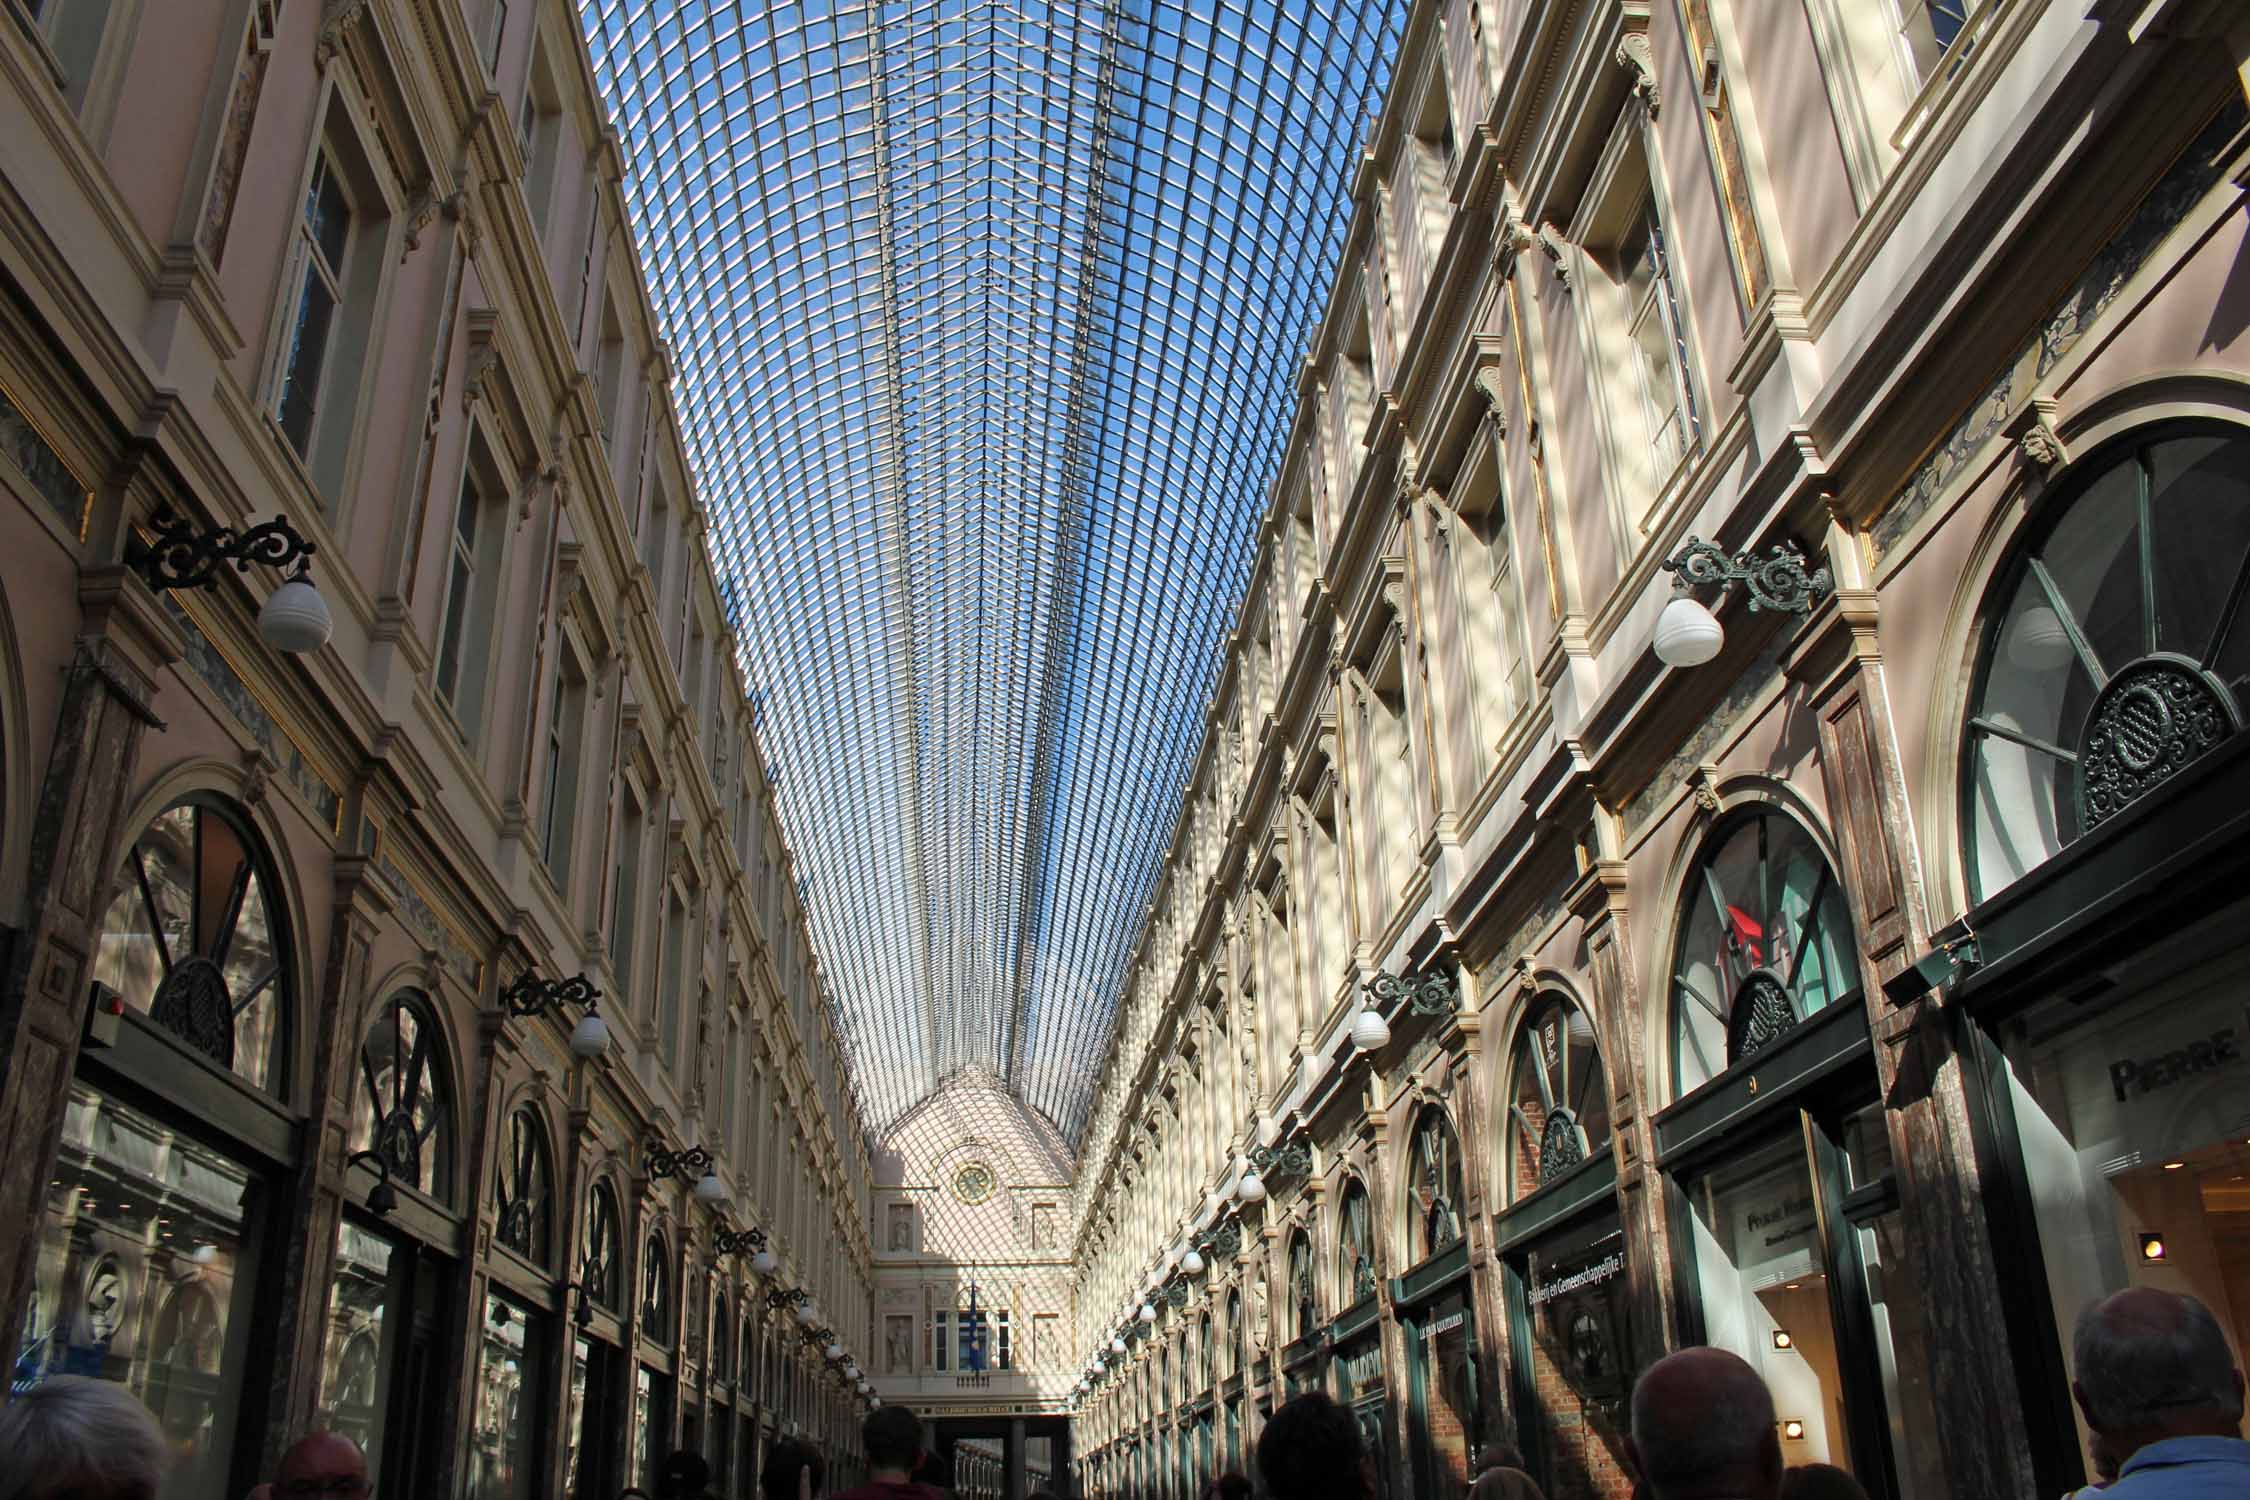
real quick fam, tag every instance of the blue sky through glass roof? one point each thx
(987, 320)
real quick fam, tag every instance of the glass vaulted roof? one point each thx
(986, 318)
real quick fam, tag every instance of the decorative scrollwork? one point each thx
(1762, 1014)
(529, 994)
(688, 1161)
(1288, 1159)
(399, 1143)
(516, 1223)
(180, 556)
(1562, 1145)
(1431, 993)
(1780, 580)
(193, 1004)
(2153, 719)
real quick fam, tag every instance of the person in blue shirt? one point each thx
(2160, 1388)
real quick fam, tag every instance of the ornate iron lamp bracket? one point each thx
(688, 1161)
(1289, 1158)
(529, 994)
(1431, 993)
(779, 1298)
(1780, 580)
(734, 1242)
(181, 556)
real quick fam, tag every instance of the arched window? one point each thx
(656, 1291)
(722, 1337)
(1210, 1352)
(1233, 1364)
(601, 1277)
(1302, 1296)
(1765, 940)
(749, 1354)
(2119, 654)
(1355, 1245)
(1558, 1107)
(1433, 1185)
(193, 939)
(525, 1189)
(405, 1109)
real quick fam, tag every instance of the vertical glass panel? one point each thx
(1763, 1278)
(1446, 1404)
(575, 1446)
(136, 1281)
(503, 1437)
(358, 1351)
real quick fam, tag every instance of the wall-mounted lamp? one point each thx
(1117, 1346)
(796, 1299)
(1793, 1429)
(683, 1162)
(1147, 1314)
(1290, 1158)
(382, 1197)
(1782, 1340)
(530, 995)
(2152, 1247)
(1192, 1262)
(1688, 635)
(294, 617)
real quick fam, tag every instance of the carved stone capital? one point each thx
(1634, 56)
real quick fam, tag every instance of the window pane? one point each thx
(136, 1281)
(503, 1457)
(300, 385)
(328, 217)
(355, 1374)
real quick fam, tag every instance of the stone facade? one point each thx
(366, 266)
(1620, 276)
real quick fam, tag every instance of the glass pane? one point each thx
(300, 384)
(138, 1249)
(2135, 1129)
(2199, 498)
(503, 1456)
(357, 1354)
(574, 1413)
(250, 971)
(1763, 1276)
(645, 1451)
(327, 216)
(1559, 1115)
(1448, 1401)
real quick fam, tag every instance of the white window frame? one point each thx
(86, 44)
(564, 740)
(481, 483)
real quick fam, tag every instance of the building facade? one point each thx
(287, 1152)
(1849, 986)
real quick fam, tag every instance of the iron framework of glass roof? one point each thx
(987, 319)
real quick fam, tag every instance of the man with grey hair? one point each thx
(86, 1439)
(2160, 1388)
(1703, 1429)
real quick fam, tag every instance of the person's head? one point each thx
(1227, 1486)
(1501, 1456)
(684, 1474)
(1042, 1495)
(1309, 1448)
(2148, 1365)
(321, 1466)
(892, 1436)
(788, 1462)
(1702, 1425)
(88, 1439)
(1820, 1482)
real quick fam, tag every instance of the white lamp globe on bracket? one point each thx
(1687, 634)
(835, 1351)
(1370, 1032)
(1250, 1187)
(764, 1263)
(1117, 1346)
(294, 617)
(1192, 1262)
(590, 1037)
(709, 1189)
(1147, 1314)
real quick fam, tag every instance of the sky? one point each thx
(987, 319)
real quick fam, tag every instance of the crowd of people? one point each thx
(2160, 1391)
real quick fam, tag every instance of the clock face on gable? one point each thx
(105, 1303)
(975, 1182)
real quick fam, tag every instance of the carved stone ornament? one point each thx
(1702, 791)
(1633, 54)
(336, 22)
(2041, 448)
(1490, 385)
(1551, 241)
(257, 773)
(1509, 244)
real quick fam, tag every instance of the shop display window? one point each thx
(1355, 1246)
(1433, 1176)
(1558, 1111)
(505, 1433)
(405, 1103)
(141, 1278)
(1445, 1398)
(2134, 1124)
(1763, 1279)
(575, 1448)
(359, 1352)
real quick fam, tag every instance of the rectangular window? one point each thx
(941, 1345)
(609, 375)
(1652, 325)
(668, 1022)
(625, 900)
(566, 724)
(539, 129)
(74, 31)
(495, 30)
(471, 583)
(324, 236)
(1003, 1350)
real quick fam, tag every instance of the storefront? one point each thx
(1356, 1335)
(653, 1388)
(1437, 1316)
(2105, 815)
(510, 1433)
(1783, 1207)
(1563, 1255)
(1300, 1317)
(593, 1421)
(176, 1144)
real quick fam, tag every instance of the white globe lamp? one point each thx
(1117, 1346)
(709, 1189)
(1192, 1262)
(590, 1037)
(1252, 1187)
(1147, 1314)
(294, 617)
(1687, 634)
(1370, 1032)
(764, 1263)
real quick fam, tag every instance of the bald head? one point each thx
(322, 1464)
(2150, 1364)
(1703, 1425)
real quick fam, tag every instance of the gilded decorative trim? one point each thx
(23, 440)
(209, 661)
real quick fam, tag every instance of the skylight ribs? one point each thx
(987, 318)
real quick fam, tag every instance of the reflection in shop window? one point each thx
(355, 1375)
(523, 1189)
(1558, 1115)
(1765, 941)
(405, 1109)
(1355, 1245)
(504, 1432)
(1433, 1176)
(136, 1281)
(189, 941)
